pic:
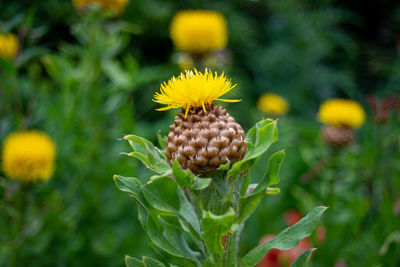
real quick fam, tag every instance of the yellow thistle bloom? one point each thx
(193, 89)
(273, 104)
(28, 156)
(198, 31)
(8, 46)
(116, 6)
(342, 112)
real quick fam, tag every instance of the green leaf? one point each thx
(201, 183)
(215, 227)
(130, 185)
(162, 140)
(274, 165)
(180, 176)
(259, 139)
(304, 259)
(172, 254)
(133, 186)
(161, 176)
(146, 262)
(224, 167)
(150, 262)
(133, 262)
(188, 213)
(152, 157)
(174, 235)
(156, 203)
(287, 239)
(248, 203)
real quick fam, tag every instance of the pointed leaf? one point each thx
(145, 151)
(304, 260)
(286, 239)
(133, 262)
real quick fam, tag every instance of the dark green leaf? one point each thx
(287, 239)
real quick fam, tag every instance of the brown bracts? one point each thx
(205, 140)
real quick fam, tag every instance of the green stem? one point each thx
(333, 164)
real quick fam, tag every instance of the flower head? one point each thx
(193, 89)
(273, 104)
(198, 31)
(342, 112)
(28, 156)
(8, 46)
(116, 6)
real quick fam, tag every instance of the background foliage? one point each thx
(88, 79)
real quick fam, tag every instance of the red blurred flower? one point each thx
(279, 258)
(321, 234)
(292, 217)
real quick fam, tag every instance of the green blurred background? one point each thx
(88, 79)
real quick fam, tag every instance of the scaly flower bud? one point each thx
(203, 135)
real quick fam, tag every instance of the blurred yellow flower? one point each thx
(193, 89)
(8, 46)
(198, 31)
(342, 112)
(116, 6)
(273, 104)
(28, 156)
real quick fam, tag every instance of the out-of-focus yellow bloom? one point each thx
(193, 89)
(28, 156)
(273, 104)
(184, 60)
(8, 46)
(116, 6)
(198, 31)
(342, 112)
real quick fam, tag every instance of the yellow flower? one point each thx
(8, 46)
(116, 6)
(342, 112)
(28, 156)
(273, 104)
(193, 89)
(198, 31)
